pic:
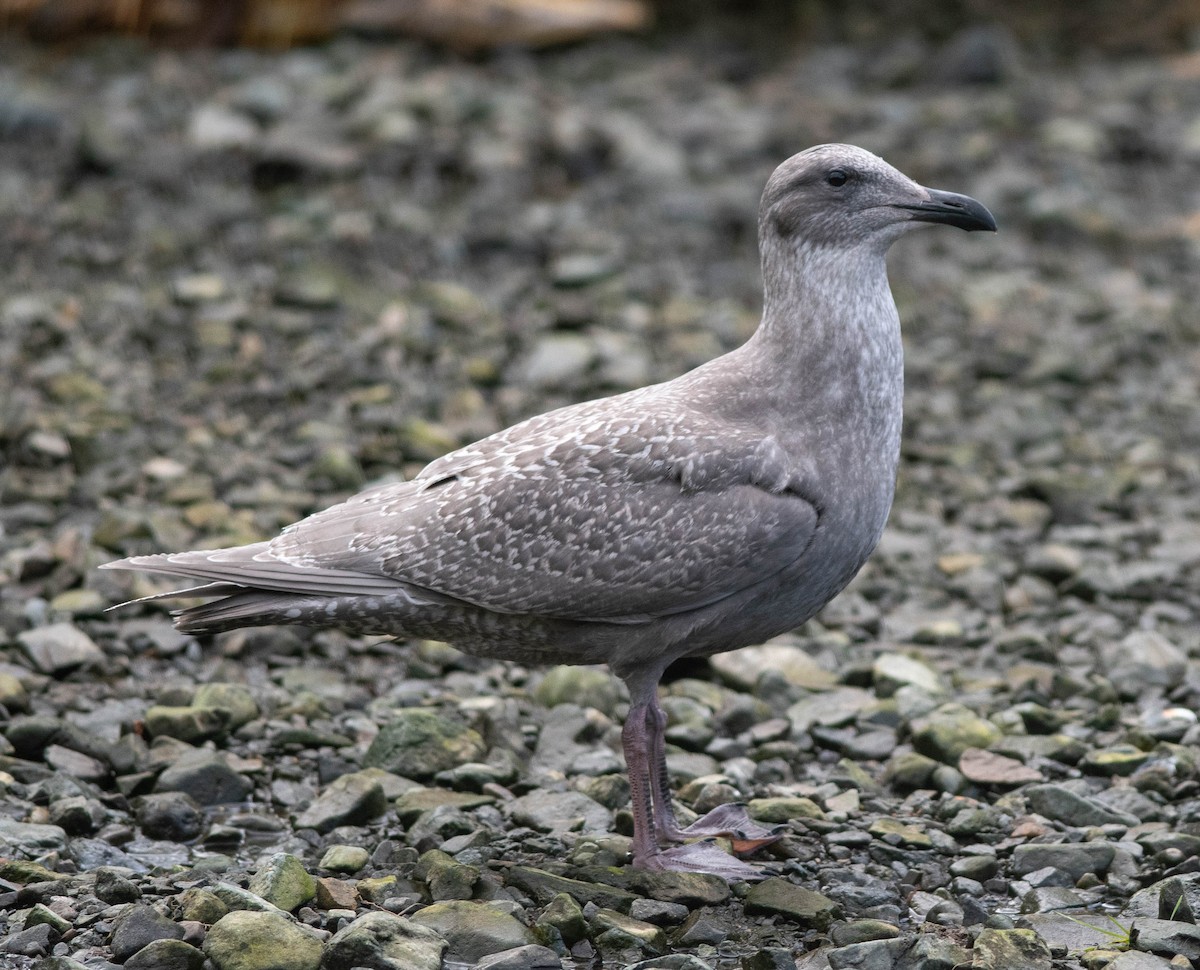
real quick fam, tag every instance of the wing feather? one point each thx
(618, 510)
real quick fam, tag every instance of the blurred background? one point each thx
(257, 254)
(1060, 27)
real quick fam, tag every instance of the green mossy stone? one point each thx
(418, 743)
(262, 941)
(345, 858)
(283, 881)
(778, 897)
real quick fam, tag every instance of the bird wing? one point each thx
(618, 518)
(619, 510)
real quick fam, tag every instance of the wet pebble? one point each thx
(473, 931)
(781, 898)
(138, 927)
(59, 648)
(354, 798)
(204, 776)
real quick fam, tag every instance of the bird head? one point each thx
(845, 197)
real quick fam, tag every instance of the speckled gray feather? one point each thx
(699, 515)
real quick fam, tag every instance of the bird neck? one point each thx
(830, 323)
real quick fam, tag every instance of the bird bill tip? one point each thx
(952, 209)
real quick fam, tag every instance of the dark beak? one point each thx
(952, 209)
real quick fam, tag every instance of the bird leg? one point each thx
(730, 821)
(654, 819)
(635, 739)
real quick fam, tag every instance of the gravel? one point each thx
(239, 285)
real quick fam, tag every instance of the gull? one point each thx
(683, 519)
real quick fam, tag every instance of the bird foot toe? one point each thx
(704, 857)
(734, 823)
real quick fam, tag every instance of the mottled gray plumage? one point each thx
(700, 515)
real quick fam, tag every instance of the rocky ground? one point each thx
(237, 286)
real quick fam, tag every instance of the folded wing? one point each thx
(620, 522)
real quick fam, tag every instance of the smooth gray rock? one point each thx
(65, 963)
(532, 956)
(76, 764)
(352, 799)
(170, 815)
(1168, 938)
(557, 812)
(891, 671)
(77, 815)
(1177, 897)
(1163, 840)
(139, 926)
(344, 858)
(616, 934)
(1061, 804)
(31, 942)
(112, 886)
(1010, 950)
(657, 912)
(59, 648)
(562, 918)
(1072, 859)
(1130, 801)
(445, 877)
(869, 955)
(187, 723)
(862, 931)
(473, 930)
(702, 928)
(779, 897)
(1135, 960)
(1077, 932)
(166, 954)
(206, 777)
(436, 826)
(1047, 899)
(198, 905)
(930, 952)
(29, 838)
(1144, 659)
(216, 127)
(41, 913)
(91, 853)
(234, 700)
(384, 941)
(832, 708)
(238, 899)
(945, 733)
(584, 686)
(557, 360)
(673, 961)
(780, 958)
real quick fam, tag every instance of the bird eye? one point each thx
(836, 177)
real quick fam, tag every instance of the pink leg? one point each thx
(635, 738)
(643, 739)
(725, 821)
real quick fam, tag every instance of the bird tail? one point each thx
(249, 590)
(254, 588)
(243, 608)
